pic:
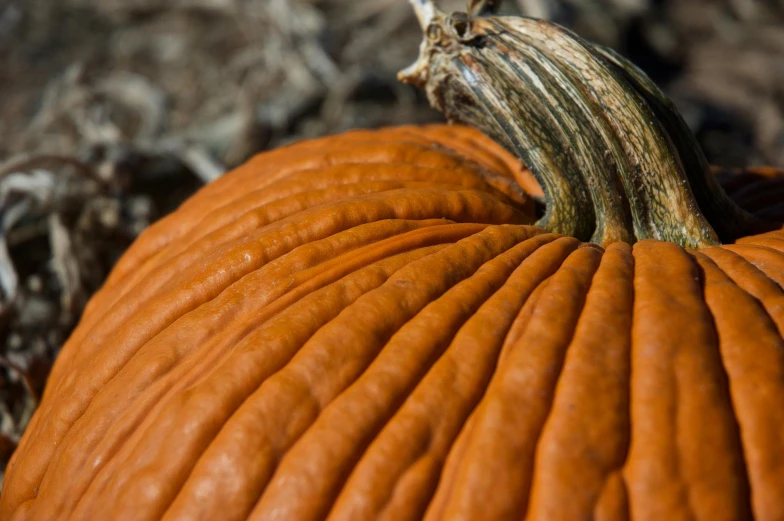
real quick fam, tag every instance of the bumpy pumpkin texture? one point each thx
(365, 326)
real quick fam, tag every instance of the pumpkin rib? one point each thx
(478, 208)
(240, 258)
(446, 481)
(772, 242)
(254, 474)
(680, 401)
(418, 437)
(470, 144)
(320, 461)
(329, 182)
(774, 237)
(521, 174)
(521, 321)
(484, 151)
(239, 223)
(281, 164)
(263, 283)
(138, 455)
(518, 400)
(395, 228)
(753, 281)
(588, 427)
(294, 189)
(766, 259)
(456, 454)
(752, 352)
(266, 350)
(147, 280)
(338, 152)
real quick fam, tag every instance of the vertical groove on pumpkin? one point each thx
(773, 241)
(367, 324)
(510, 417)
(682, 413)
(752, 280)
(261, 208)
(319, 463)
(267, 191)
(239, 258)
(396, 291)
(263, 295)
(420, 438)
(752, 352)
(238, 222)
(279, 163)
(446, 481)
(767, 260)
(521, 320)
(251, 361)
(613, 501)
(585, 438)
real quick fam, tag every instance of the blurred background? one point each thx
(114, 111)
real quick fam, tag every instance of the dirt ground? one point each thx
(114, 111)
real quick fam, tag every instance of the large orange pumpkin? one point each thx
(368, 326)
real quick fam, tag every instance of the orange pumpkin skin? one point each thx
(365, 327)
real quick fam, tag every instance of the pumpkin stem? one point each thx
(426, 11)
(615, 159)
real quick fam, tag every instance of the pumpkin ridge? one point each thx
(444, 136)
(513, 167)
(518, 399)
(311, 313)
(259, 169)
(181, 374)
(752, 353)
(465, 205)
(763, 257)
(367, 152)
(454, 385)
(613, 501)
(452, 204)
(752, 280)
(406, 139)
(310, 454)
(680, 402)
(521, 320)
(588, 426)
(217, 221)
(298, 313)
(501, 236)
(151, 276)
(772, 243)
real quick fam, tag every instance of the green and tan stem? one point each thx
(615, 160)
